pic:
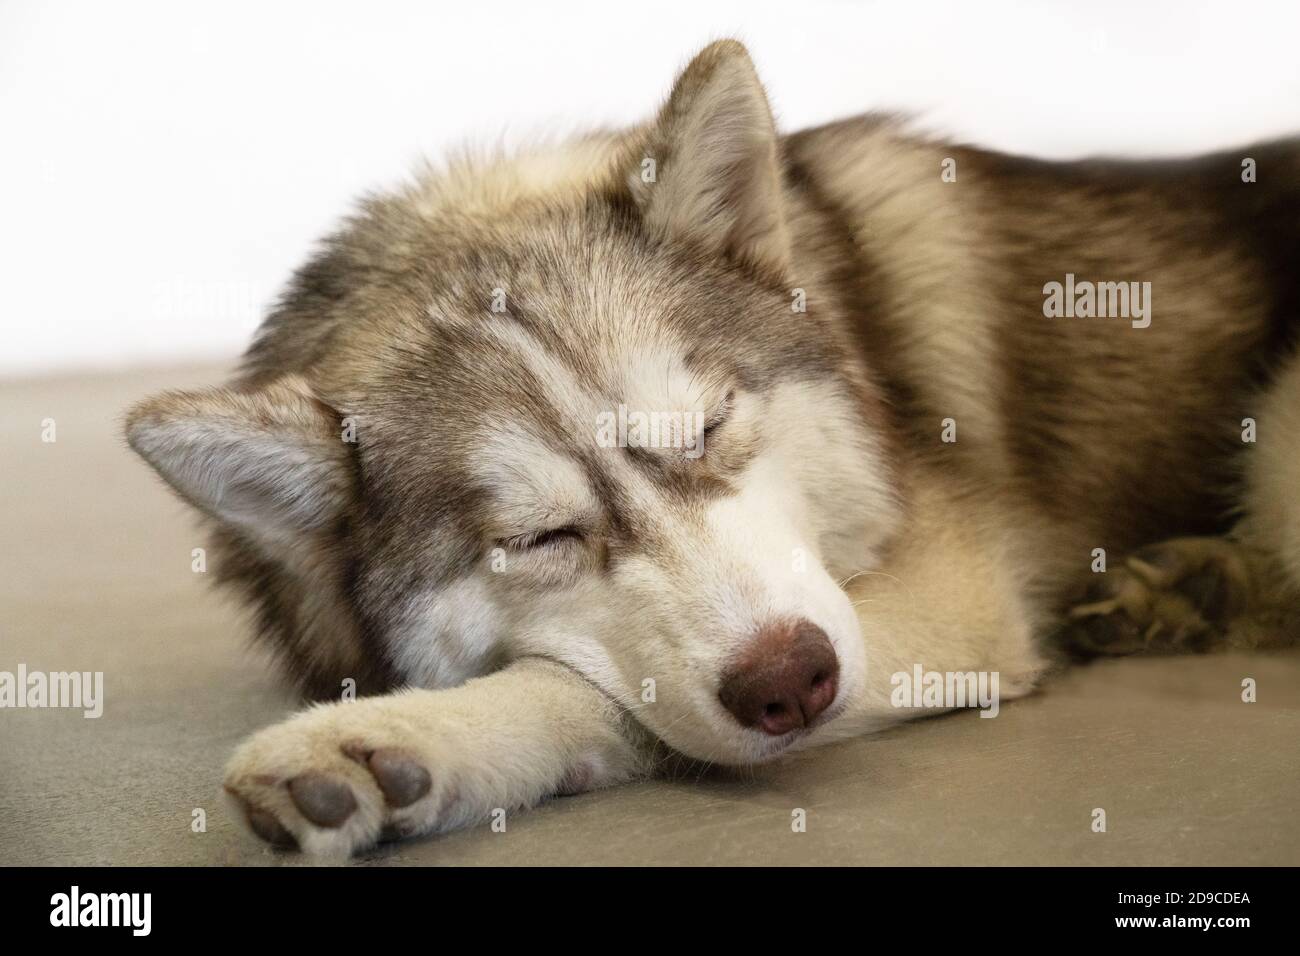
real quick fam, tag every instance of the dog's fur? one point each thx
(377, 474)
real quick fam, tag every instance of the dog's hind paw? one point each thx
(1181, 595)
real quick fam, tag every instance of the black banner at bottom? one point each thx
(301, 903)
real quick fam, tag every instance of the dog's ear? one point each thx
(710, 171)
(270, 461)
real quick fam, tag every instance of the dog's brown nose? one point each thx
(784, 679)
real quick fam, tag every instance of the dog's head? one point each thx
(593, 405)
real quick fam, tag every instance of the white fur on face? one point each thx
(679, 613)
(747, 565)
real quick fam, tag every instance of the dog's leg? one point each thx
(1204, 593)
(339, 777)
(950, 597)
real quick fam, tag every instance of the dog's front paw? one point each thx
(339, 778)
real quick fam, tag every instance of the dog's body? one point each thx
(888, 454)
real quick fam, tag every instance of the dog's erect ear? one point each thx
(269, 461)
(710, 172)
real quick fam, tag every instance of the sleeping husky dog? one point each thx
(691, 438)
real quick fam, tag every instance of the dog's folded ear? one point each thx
(270, 461)
(710, 171)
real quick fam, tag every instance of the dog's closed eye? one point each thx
(720, 415)
(549, 538)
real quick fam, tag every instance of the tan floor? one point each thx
(95, 575)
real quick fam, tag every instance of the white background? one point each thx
(163, 166)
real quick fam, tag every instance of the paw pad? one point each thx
(265, 825)
(322, 799)
(401, 778)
